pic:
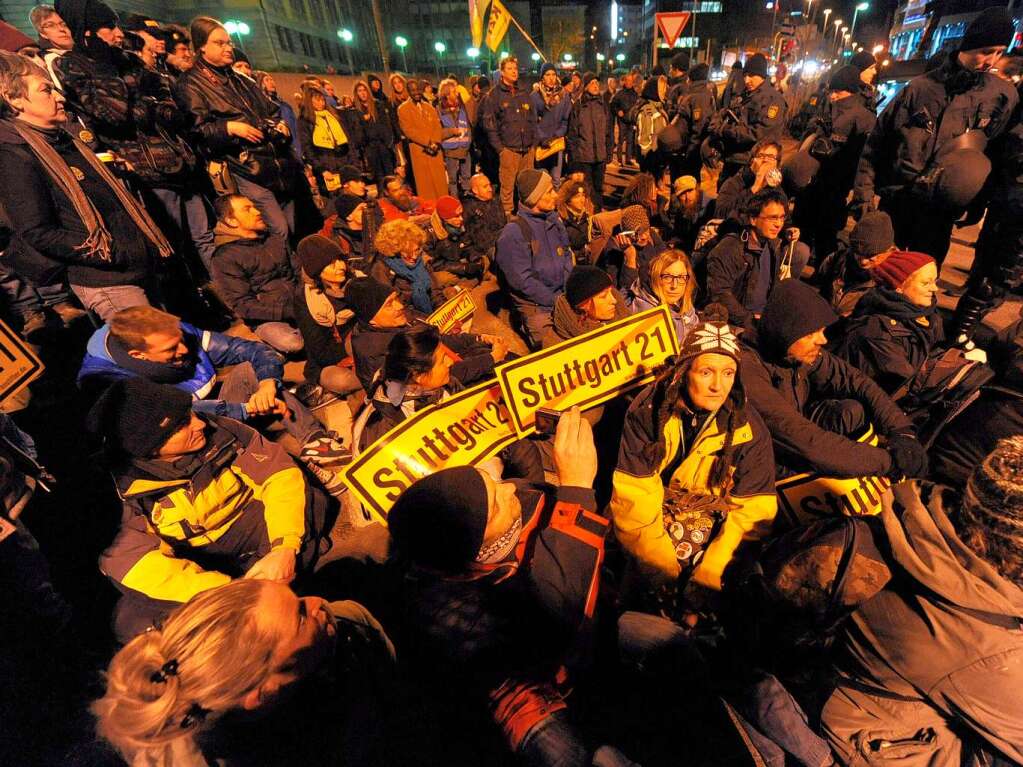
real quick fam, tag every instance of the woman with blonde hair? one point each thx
(175, 693)
(404, 266)
(666, 279)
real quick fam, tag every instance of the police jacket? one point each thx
(844, 125)
(761, 115)
(535, 269)
(589, 131)
(929, 113)
(695, 108)
(509, 118)
(677, 89)
(647, 452)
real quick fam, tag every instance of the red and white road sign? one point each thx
(672, 24)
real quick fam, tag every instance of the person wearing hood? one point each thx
(694, 110)
(815, 403)
(590, 138)
(692, 431)
(243, 139)
(404, 265)
(252, 273)
(590, 301)
(380, 315)
(454, 258)
(377, 129)
(376, 87)
(844, 277)
(666, 279)
(925, 157)
(420, 124)
(534, 256)
(930, 670)
(553, 105)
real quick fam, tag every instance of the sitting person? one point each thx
(814, 403)
(534, 256)
(252, 272)
(590, 301)
(189, 693)
(688, 210)
(380, 315)
(404, 266)
(693, 430)
(666, 279)
(350, 231)
(633, 244)
(483, 214)
(205, 500)
(576, 208)
(745, 266)
(454, 259)
(323, 316)
(843, 277)
(398, 202)
(762, 173)
(145, 342)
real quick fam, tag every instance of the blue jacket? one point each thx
(451, 121)
(214, 350)
(553, 121)
(536, 277)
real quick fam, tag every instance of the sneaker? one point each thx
(331, 480)
(324, 450)
(68, 314)
(32, 322)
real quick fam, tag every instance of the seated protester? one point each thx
(454, 259)
(350, 231)
(252, 273)
(534, 257)
(642, 190)
(815, 403)
(71, 219)
(323, 316)
(634, 244)
(143, 342)
(745, 266)
(843, 277)
(205, 500)
(403, 264)
(762, 173)
(666, 279)
(575, 208)
(398, 202)
(483, 214)
(380, 315)
(330, 137)
(688, 210)
(590, 301)
(308, 684)
(693, 431)
(930, 670)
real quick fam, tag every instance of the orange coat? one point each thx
(421, 126)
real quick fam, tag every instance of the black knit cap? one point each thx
(548, 67)
(872, 234)
(344, 204)
(863, 61)
(316, 252)
(588, 78)
(993, 27)
(136, 416)
(680, 61)
(365, 296)
(440, 520)
(699, 72)
(351, 173)
(585, 282)
(846, 79)
(83, 16)
(794, 309)
(756, 65)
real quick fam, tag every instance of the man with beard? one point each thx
(399, 202)
(687, 212)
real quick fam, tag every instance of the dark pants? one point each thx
(997, 267)
(919, 226)
(841, 416)
(241, 383)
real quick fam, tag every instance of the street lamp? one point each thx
(401, 42)
(620, 58)
(838, 23)
(860, 7)
(440, 48)
(473, 53)
(237, 28)
(601, 57)
(827, 12)
(346, 38)
(535, 56)
(567, 57)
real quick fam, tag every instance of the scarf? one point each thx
(321, 308)
(328, 133)
(502, 547)
(551, 96)
(158, 372)
(97, 244)
(419, 276)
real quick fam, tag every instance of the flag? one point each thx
(477, 10)
(497, 26)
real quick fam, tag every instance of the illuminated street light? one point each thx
(601, 57)
(440, 48)
(827, 12)
(620, 57)
(838, 23)
(237, 28)
(567, 57)
(401, 42)
(473, 53)
(860, 7)
(535, 57)
(347, 37)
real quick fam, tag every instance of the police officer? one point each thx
(760, 115)
(866, 64)
(696, 107)
(678, 82)
(925, 156)
(509, 118)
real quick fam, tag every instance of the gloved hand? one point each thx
(909, 459)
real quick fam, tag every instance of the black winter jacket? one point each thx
(331, 159)
(509, 118)
(761, 116)
(254, 276)
(622, 104)
(732, 273)
(483, 221)
(590, 137)
(847, 123)
(695, 110)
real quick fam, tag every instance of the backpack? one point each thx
(650, 121)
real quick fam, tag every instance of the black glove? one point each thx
(909, 459)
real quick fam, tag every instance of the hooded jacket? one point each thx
(639, 480)
(253, 275)
(535, 271)
(932, 666)
(590, 135)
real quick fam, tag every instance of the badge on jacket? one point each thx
(696, 113)
(77, 173)
(772, 112)
(85, 136)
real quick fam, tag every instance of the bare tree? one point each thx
(562, 35)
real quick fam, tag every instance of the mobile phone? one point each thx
(627, 233)
(547, 420)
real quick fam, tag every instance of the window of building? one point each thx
(325, 50)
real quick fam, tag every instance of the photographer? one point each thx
(246, 144)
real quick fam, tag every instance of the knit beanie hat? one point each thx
(588, 78)
(547, 67)
(351, 173)
(566, 80)
(872, 234)
(863, 61)
(344, 204)
(711, 336)
(991, 28)
(846, 79)
(585, 282)
(365, 296)
(699, 72)
(439, 521)
(136, 416)
(531, 185)
(756, 65)
(635, 219)
(316, 252)
(447, 207)
(993, 500)
(898, 266)
(793, 310)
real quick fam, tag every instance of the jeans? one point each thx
(198, 220)
(109, 300)
(280, 218)
(24, 298)
(459, 169)
(240, 384)
(280, 335)
(512, 162)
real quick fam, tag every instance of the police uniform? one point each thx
(695, 110)
(761, 115)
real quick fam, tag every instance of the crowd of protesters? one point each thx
(632, 585)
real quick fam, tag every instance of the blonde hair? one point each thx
(168, 683)
(446, 86)
(662, 262)
(398, 236)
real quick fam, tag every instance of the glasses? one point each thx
(766, 156)
(47, 25)
(675, 279)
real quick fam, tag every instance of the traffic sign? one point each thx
(672, 24)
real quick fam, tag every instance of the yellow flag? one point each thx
(497, 26)
(477, 10)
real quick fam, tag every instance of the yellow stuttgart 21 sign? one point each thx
(589, 369)
(453, 313)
